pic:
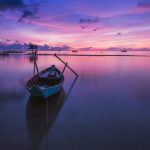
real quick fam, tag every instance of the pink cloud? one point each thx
(143, 7)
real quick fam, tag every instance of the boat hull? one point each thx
(41, 91)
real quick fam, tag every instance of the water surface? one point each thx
(108, 107)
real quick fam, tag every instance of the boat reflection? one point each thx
(41, 115)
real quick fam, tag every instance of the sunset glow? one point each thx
(77, 24)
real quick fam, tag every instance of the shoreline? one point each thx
(80, 55)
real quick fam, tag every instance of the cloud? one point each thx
(11, 4)
(28, 11)
(26, 14)
(144, 5)
(6, 44)
(63, 48)
(86, 48)
(83, 27)
(88, 20)
(95, 29)
(119, 33)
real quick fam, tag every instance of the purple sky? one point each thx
(78, 23)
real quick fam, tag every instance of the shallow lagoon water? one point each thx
(108, 107)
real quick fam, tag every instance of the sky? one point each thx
(76, 23)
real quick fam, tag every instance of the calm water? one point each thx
(108, 108)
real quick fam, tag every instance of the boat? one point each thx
(46, 83)
(74, 51)
(124, 50)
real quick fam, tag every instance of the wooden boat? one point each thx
(46, 83)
